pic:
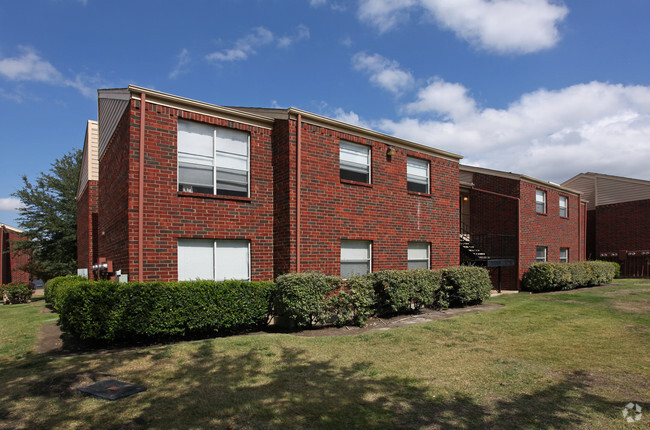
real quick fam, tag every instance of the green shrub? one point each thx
(51, 286)
(540, 277)
(398, 291)
(104, 310)
(566, 276)
(304, 297)
(466, 285)
(617, 269)
(353, 303)
(16, 292)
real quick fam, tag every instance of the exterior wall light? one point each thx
(391, 151)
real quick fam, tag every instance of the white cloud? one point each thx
(502, 26)
(551, 135)
(258, 38)
(182, 60)
(29, 66)
(10, 204)
(334, 5)
(383, 72)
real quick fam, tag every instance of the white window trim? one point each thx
(545, 254)
(567, 255)
(544, 199)
(428, 258)
(368, 148)
(428, 173)
(214, 158)
(214, 258)
(566, 206)
(368, 261)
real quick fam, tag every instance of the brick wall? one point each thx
(622, 226)
(113, 188)
(548, 229)
(170, 215)
(383, 212)
(11, 261)
(87, 250)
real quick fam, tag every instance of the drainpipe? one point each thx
(298, 186)
(143, 111)
(518, 227)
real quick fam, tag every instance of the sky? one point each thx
(546, 88)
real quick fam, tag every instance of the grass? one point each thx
(567, 360)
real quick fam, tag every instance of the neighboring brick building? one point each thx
(514, 220)
(618, 226)
(11, 261)
(87, 201)
(204, 191)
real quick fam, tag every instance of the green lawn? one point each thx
(569, 360)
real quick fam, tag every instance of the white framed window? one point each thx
(540, 201)
(356, 257)
(218, 260)
(418, 255)
(540, 256)
(417, 175)
(213, 160)
(564, 255)
(564, 206)
(354, 162)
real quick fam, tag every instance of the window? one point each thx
(355, 257)
(541, 254)
(564, 206)
(417, 175)
(564, 255)
(418, 255)
(355, 162)
(212, 160)
(213, 259)
(540, 201)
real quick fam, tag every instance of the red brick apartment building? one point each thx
(618, 220)
(11, 261)
(511, 221)
(188, 190)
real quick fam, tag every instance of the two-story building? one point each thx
(187, 190)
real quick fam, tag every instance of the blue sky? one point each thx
(541, 87)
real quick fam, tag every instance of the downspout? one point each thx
(298, 186)
(143, 111)
(518, 227)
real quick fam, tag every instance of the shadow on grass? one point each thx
(268, 387)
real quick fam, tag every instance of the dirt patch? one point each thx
(53, 341)
(640, 307)
(382, 324)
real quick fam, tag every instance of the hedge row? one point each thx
(109, 311)
(309, 298)
(15, 292)
(542, 277)
(105, 310)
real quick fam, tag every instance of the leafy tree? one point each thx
(49, 218)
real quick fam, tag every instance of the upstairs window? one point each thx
(355, 162)
(418, 255)
(540, 257)
(564, 255)
(540, 201)
(212, 160)
(564, 206)
(218, 260)
(355, 257)
(417, 175)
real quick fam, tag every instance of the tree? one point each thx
(49, 218)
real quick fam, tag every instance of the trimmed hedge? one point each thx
(303, 297)
(104, 310)
(52, 286)
(465, 285)
(15, 292)
(542, 277)
(400, 291)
